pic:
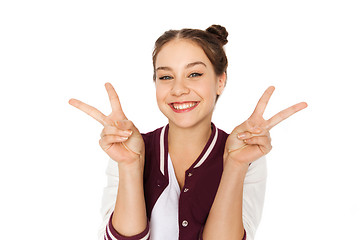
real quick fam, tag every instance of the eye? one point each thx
(195, 74)
(165, 78)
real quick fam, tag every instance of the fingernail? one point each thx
(123, 138)
(241, 135)
(128, 133)
(257, 130)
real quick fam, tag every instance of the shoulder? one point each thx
(155, 145)
(222, 134)
(153, 135)
(221, 138)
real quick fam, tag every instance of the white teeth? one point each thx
(184, 106)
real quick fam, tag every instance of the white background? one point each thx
(52, 170)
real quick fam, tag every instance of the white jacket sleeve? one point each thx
(109, 196)
(253, 196)
(107, 230)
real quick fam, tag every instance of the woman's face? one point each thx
(186, 84)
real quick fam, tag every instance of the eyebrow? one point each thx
(187, 66)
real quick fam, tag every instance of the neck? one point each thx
(188, 139)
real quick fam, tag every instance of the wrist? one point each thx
(131, 166)
(235, 165)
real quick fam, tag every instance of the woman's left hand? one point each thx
(251, 139)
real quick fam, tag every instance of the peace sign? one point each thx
(251, 140)
(120, 139)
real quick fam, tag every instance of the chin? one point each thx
(186, 120)
(188, 123)
(182, 124)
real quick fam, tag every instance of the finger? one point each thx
(113, 139)
(91, 111)
(284, 114)
(238, 149)
(258, 140)
(261, 105)
(248, 134)
(114, 100)
(110, 130)
(248, 126)
(107, 141)
(244, 135)
(264, 143)
(124, 125)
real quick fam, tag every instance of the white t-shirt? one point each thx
(164, 216)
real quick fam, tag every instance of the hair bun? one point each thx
(220, 33)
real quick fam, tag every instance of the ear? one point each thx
(221, 82)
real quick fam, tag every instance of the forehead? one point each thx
(179, 53)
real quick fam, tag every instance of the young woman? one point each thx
(187, 180)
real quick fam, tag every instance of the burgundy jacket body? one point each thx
(200, 186)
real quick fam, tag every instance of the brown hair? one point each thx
(211, 41)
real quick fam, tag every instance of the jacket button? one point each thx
(158, 183)
(184, 223)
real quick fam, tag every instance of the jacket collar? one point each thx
(199, 161)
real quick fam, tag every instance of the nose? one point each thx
(179, 88)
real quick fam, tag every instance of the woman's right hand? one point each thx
(120, 139)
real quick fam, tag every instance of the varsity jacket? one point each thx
(197, 195)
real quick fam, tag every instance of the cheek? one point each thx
(160, 92)
(210, 91)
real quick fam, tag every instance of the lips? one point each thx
(180, 107)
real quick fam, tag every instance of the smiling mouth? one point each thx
(183, 106)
